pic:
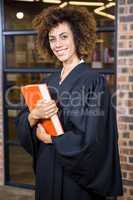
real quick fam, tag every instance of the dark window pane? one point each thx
(12, 124)
(110, 81)
(29, 10)
(20, 166)
(21, 51)
(104, 21)
(103, 55)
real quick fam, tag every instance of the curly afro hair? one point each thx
(82, 24)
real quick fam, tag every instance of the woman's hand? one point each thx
(43, 110)
(42, 135)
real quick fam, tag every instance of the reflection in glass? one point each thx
(14, 23)
(20, 166)
(110, 81)
(103, 55)
(12, 114)
(21, 51)
(104, 21)
(29, 9)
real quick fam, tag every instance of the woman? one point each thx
(83, 163)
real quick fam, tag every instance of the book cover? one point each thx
(34, 92)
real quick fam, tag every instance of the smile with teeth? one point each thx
(61, 51)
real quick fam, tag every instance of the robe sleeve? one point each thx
(88, 150)
(27, 135)
(24, 130)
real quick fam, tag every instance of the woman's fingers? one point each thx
(49, 108)
(43, 102)
(49, 115)
(45, 109)
(42, 135)
(41, 130)
(39, 133)
(46, 106)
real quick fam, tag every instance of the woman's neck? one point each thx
(67, 67)
(70, 64)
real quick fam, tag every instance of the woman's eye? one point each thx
(64, 36)
(51, 39)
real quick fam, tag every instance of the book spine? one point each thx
(55, 120)
(57, 125)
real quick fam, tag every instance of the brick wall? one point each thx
(125, 93)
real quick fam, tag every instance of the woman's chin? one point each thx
(61, 59)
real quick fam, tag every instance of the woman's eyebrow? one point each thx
(50, 35)
(62, 33)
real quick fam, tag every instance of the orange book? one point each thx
(34, 92)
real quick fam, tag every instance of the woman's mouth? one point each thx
(61, 51)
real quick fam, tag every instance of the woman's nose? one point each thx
(58, 43)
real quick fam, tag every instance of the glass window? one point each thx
(21, 51)
(16, 21)
(104, 21)
(103, 55)
(110, 81)
(20, 166)
(12, 114)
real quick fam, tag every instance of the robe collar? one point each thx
(76, 73)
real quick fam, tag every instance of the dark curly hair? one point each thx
(82, 24)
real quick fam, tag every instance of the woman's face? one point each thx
(62, 42)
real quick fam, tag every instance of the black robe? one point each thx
(82, 164)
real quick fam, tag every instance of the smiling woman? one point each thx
(83, 163)
(79, 24)
(62, 42)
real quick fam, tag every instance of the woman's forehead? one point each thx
(60, 28)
